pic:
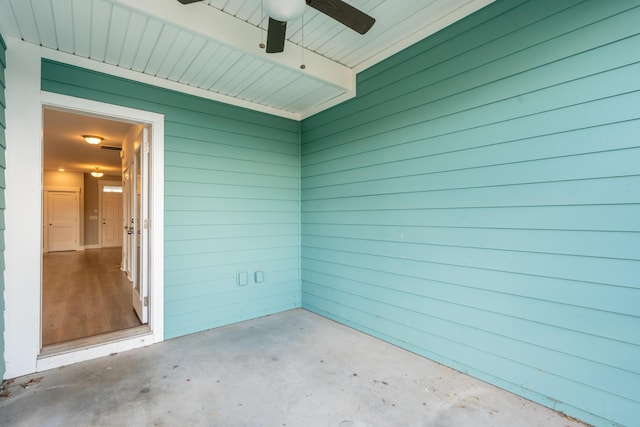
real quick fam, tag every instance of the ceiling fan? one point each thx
(281, 11)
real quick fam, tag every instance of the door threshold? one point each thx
(92, 341)
(66, 353)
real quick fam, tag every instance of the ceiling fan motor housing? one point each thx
(284, 10)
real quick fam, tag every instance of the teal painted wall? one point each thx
(3, 146)
(478, 203)
(231, 200)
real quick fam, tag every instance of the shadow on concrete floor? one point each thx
(289, 369)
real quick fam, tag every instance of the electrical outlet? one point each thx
(242, 278)
(258, 277)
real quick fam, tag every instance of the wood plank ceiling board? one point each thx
(118, 27)
(64, 33)
(134, 33)
(25, 22)
(81, 24)
(211, 48)
(45, 26)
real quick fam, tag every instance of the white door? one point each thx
(111, 219)
(139, 180)
(62, 224)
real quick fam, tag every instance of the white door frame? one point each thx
(23, 215)
(140, 235)
(156, 199)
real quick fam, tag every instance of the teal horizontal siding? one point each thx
(461, 80)
(622, 218)
(241, 146)
(615, 190)
(217, 231)
(232, 190)
(231, 200)
(213, 275)
(478, 203)
(218, 280)
(201, 162)
(419, 158)
(450, 283)
(572, 242)
(230, 257)
(235, 306)
(202, 246)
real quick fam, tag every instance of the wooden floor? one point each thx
(84, 293)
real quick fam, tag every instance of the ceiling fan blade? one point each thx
(344, 13)
(275, 36)
(188, 1)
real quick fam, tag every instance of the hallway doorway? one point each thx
(91, 287)
(111, 213)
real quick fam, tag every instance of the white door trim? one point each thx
(23, 214)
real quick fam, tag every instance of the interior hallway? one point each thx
(84, 293)
(289, 369)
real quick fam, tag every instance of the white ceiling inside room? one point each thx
(211, 48)
(64, 147)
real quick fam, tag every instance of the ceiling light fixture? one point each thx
(284, 10)
(92, 139)
(97, 174)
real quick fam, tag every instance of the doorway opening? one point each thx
(110, 209)
(96, 258)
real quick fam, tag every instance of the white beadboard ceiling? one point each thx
(211, 48)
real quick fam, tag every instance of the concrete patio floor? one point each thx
(290, 369)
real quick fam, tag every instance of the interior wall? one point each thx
(478, 203)
(231, 200)
(62, 179)
(91, 206)
(3, 144)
